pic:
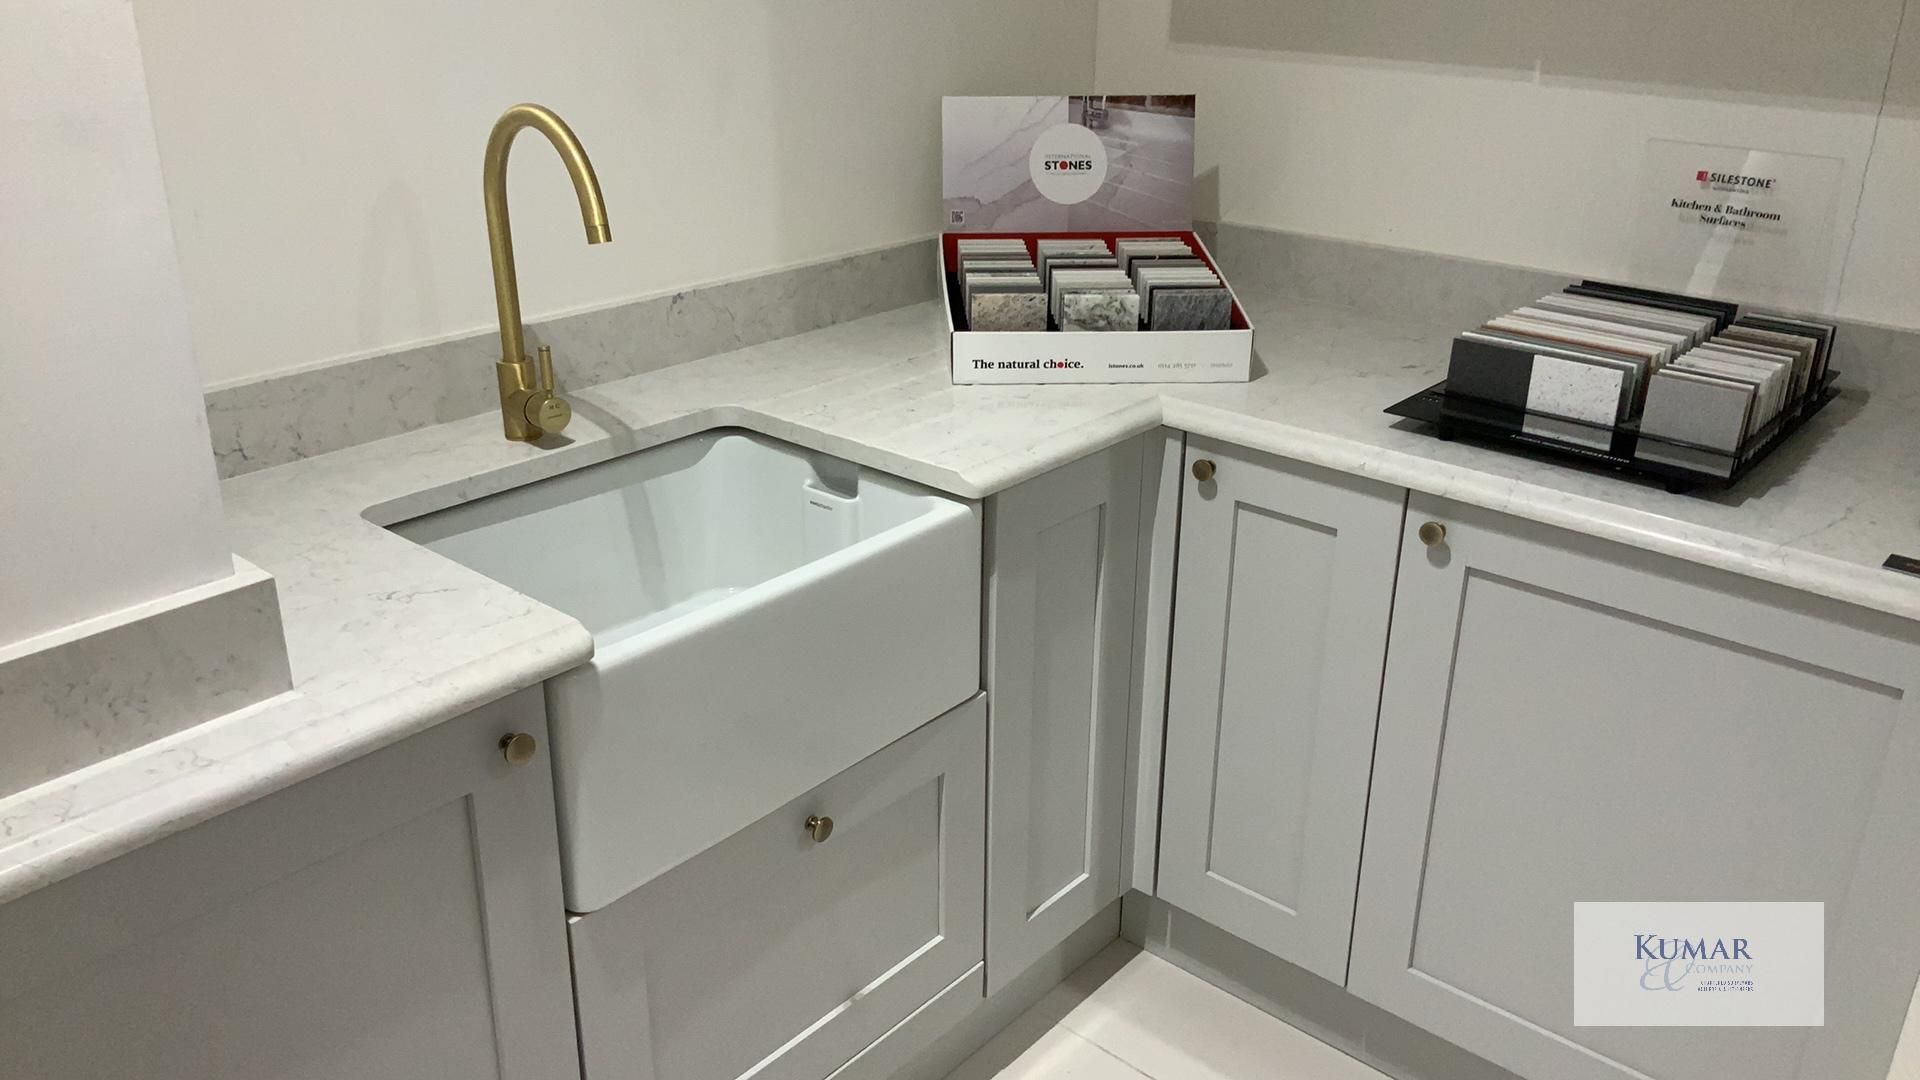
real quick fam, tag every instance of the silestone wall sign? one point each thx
(1736, 223)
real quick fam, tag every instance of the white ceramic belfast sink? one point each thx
(763, 618)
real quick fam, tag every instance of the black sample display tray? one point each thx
(1611, 448)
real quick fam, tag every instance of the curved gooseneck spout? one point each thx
(528, 404)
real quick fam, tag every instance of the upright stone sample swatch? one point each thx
(1190, 309)
(1118, 309)
(1008, 311)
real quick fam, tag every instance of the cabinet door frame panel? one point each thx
(1107, 485)
(1161, 489)
(1361, 520)
(1877, 947)
(510, 812)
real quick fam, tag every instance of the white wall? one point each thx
(1467, 143)
(107, 491)
(323, 159)
(1883, 278)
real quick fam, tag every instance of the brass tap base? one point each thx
(529, 407)
(517, 387)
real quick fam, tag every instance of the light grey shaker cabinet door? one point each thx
(396, 918)
(1570, 720)
(1061, 552)
(1285, 588)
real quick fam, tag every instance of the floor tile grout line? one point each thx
(1108, 1051)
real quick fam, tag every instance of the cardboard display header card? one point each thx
(1092, 163)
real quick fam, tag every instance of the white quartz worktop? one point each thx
(387, 639)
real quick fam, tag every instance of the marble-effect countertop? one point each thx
(387, 639)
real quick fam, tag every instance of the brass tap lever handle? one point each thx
(546, 368)
(546, 412)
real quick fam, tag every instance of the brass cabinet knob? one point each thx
(819, 828)
(1433, 534)
(518, 748)
(1203, 470)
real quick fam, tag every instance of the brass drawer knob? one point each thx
(1433, 534)
(1203, 470)
(518, 748)
(819, 828)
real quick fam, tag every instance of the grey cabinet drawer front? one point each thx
(783, 956)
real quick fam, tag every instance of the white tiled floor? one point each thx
(1127, 1015)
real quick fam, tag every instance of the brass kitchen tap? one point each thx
(529, 408)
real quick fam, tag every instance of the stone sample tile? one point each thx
(1101, 310)
(1002, 311)
(1190, 309)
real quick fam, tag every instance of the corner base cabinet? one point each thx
(1284, 589)
(787, 949)
(1061, 554)
(1567, 720)
(396, 918)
